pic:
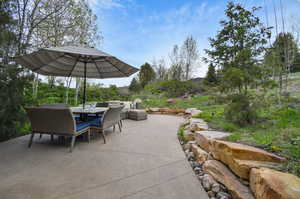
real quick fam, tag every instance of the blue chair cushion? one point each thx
(96, 122)
(95, 115)
(82, 125)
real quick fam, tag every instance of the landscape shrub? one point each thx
(241, 110)
(172, 88)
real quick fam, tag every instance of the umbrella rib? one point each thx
(116, 67)
(74, 66)
(34, 70)
(98, 69)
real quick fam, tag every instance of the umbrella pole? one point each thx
(84, 88)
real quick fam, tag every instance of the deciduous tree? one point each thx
(189, 56)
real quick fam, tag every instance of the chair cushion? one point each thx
(96, 122)
(82, 125)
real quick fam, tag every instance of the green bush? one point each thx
(171, 88)
(241, 111)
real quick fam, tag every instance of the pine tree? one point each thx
(134, 85)
(211, 76)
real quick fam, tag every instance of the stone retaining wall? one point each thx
(232, 170)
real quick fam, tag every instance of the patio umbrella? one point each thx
(73, 61)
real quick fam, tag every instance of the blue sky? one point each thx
(136, 31)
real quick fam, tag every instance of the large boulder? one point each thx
(198, 125)
(241, 158)
(171, 101)
(270, 184)
(203, 138)
(188, 135)
(195, 113)
(223, 175)
(170, 111)
(200, 155)
(177, 111)
(189, 110)
(196, 120)
(153, 110)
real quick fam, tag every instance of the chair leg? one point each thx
(119, 124)
(52, 137)
(114, 128)
(30, 141)
(41, 136)
(89, 136)
(72, 143)
(103, 135)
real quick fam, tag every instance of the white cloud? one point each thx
(105, 4)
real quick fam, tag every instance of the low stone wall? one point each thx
(170, 111)
(246, 172)
(231, 170)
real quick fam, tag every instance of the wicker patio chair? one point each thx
(102, 104)
(110, 118)
(58, 105)
(56, 121)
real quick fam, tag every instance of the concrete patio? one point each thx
(144, 161)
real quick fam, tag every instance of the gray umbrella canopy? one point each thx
(71, 61)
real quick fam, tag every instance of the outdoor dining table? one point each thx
(84, 112)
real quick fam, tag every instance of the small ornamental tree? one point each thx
(237, 51)
(240, 44)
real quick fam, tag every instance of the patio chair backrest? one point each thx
(51, 120)
(102, 104)
(60, 105)
(111, 116)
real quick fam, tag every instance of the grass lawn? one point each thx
(277, 131)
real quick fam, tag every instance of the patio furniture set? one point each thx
(64, 121)
(76, 61)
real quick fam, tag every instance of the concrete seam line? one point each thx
(136, 153)
(120, 179)
(157, 184)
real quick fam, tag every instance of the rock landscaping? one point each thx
(230, 170)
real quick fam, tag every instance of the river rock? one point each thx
(215, 187)
(241, 158)
(207, 182)
(211, 194)
(224, 195)
(270, 184)
(223, 175)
